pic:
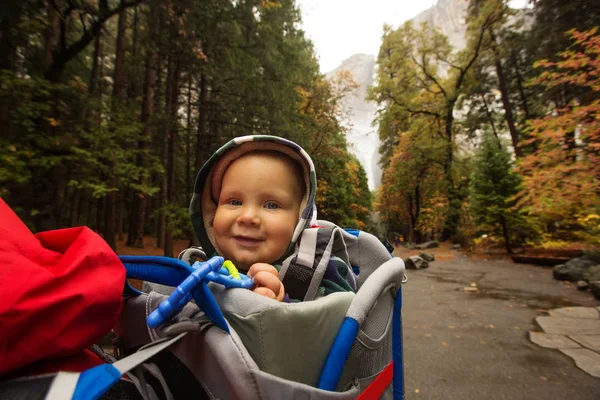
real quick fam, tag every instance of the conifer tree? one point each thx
(492, 188)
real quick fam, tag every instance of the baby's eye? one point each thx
(271, 205)
(235, 203)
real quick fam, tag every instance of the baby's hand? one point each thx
(266, 281)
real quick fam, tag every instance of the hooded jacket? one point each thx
(208, 186)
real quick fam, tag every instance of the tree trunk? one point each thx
(137, 221)
(188, 144)
(172, 156)
(165, 157)
(53, 33)
(99, 213)
(521, 87)
(121, 214)
(75, 207)
(451, 222)
(119, 91)
(506, 235)
(201, 137)
(510, 120)
(9, 36)
(120, 84)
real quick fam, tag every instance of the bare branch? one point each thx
(428, 75)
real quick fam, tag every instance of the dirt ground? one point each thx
(442, 253)
(150, 248)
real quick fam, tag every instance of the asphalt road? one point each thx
(474, 345)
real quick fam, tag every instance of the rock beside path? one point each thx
(582, 270)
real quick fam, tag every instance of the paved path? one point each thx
(466, 333)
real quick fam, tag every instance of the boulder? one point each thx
(595, 289)
(430, 257)
(429, 245)
(574, 270)
(561, 272)
(592, 274)
(582, 285)
(415, 262)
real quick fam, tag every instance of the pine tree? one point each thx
(492, 188)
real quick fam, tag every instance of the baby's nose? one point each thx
(249, 215)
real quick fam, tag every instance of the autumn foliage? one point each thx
(561, 177)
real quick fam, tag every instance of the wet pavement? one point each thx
(466, 333)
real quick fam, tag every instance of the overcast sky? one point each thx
(341, 28)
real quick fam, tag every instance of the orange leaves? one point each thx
(266, 4)
(560, 178)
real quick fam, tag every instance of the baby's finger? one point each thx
(263, 291)
(256, 268)
(268, 280)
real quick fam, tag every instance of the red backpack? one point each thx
(61, 291)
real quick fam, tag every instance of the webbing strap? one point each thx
(63, 383)
(379, 384)
(128, 363)
(94, 382)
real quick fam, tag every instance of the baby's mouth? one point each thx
(247, 241)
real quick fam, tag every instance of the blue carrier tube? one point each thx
(397, 351)
(170, 306)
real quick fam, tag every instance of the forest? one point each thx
(499, 141)
(109, 108)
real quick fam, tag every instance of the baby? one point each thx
(252, 201)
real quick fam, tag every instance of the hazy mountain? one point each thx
(449, 17)
(361, 136)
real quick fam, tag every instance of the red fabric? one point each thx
(379, 384)
(60, 292)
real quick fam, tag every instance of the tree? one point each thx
(492, 189)
(493, 54)
(420, 77)
(561, 178)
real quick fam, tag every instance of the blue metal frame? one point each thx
(397, 349)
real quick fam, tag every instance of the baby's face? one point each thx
(258, 209)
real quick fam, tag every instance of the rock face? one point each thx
(362, 137)
(449, 17)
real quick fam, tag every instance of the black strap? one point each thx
(298, 278)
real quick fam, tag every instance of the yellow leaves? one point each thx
(53, 122)
(78, 83)
(199, 53)
(267, 4)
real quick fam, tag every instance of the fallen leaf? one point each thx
(417, 390)
(491, 326)
(482, 342)
(544, 378)
(473, 284)
(451, 327)
(428, 335)
(517, 328)
(445, 344)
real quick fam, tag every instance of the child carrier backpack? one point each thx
(234, 344)
(333, 347)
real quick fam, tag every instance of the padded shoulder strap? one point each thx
(303, 272)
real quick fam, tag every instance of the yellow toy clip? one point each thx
(227, 264)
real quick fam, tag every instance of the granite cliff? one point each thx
(449, 17)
